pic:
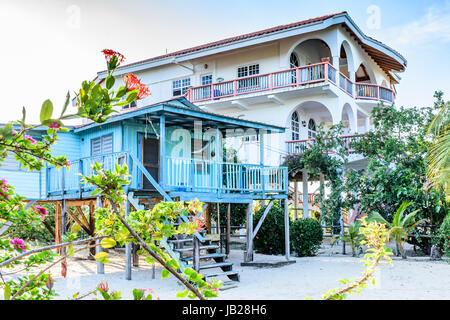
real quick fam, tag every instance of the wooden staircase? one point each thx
(211, 263)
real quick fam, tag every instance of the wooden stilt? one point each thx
(249, 254)
(134, 249)
(208, 218)
(127, 248)
(63, 222)
(58, 224)
(228, 230)
(196, 255)
(100, 266)
(286, 229)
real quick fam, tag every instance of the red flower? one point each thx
(133, 83)
(200, 223)
(111, 53)
(143, 92)
(54, 125)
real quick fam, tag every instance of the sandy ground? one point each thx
(415, 278)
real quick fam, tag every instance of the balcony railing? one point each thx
(198, 175)
(295, 77)
(300, 146)
(180, 175)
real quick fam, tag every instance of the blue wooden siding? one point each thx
(86, 137)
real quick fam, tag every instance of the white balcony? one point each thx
(298, 80)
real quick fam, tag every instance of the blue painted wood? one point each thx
(162, 151)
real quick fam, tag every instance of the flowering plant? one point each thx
(94, 101)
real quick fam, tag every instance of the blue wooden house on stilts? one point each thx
(174, 151)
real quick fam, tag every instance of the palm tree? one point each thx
(401, 225)
(439, 152)
(353, 236)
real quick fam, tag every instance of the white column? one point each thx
(296, 200)
(367, 124)
(305, 194)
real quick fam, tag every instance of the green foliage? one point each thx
(353, 236)
(438, 155)
(327, 155)
(401, 225)
(270, 237)
(375, 238)
(237, 217)
(35, 230)
(34, 153)
(151, 226)
(38, 289)
(306, 237)
(442, 237)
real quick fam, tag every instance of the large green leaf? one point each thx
(46, 110)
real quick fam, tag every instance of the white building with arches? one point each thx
(321, 70)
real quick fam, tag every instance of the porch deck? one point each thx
(183, 178)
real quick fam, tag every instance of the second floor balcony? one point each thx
(291, 79)
(297, 147)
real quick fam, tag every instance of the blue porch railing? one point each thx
(178, 174)
(185, 174)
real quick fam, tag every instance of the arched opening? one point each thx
(346, 60)
(363, 122)
(312, 130)
(311, 51)
(294, 61)
(304, 120)
(348, 120)
(295, 126)
(364, 74)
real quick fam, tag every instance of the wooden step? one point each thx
(228, 285)
(232, 275)
(207, 256)
(180, 240)
(216, 265)
(209, 247)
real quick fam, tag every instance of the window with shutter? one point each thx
(107, 144)
(102, 145)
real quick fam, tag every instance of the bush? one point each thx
(270, 237)
(35, 231)
(443, 237)
(306, 237)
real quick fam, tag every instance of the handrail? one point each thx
(159, 189)
(301, 145)
(268, 82)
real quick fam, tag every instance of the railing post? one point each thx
(47, 180)
(162, 148)
(378, 92)
(63, 170)
(80, 171)
(325, 70)
(271, 82)
(297, 75)
(212, 91)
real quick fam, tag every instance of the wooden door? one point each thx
(150, 160)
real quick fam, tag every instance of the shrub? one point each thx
(306, 237)
(36, 230)
(270, 237)
(442, 239)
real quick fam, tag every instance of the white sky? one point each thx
(48, 47)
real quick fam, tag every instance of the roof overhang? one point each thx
(378, 50)
(181, 114)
